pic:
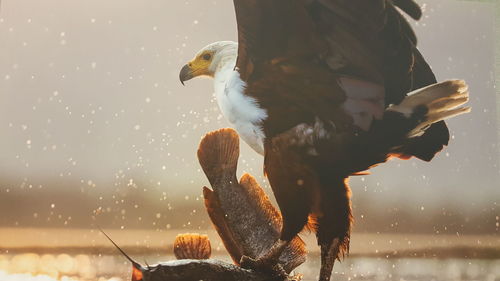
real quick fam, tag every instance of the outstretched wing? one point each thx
(353, 37)
(370, 42)
(273, 30)
(388, 47)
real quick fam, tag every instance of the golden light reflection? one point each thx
(61, 267)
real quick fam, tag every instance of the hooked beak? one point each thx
(185, 74)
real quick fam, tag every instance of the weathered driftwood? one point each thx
(241, 212)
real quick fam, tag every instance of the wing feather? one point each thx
(270, 30)
(366, 40)
(410, 7)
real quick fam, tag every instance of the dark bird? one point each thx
(326, 89)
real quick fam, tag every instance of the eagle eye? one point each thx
(207, 56)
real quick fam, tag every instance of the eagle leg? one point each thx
(289, 179)
(333, 226)
(329, 253)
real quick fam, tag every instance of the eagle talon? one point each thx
(248, 262)
(264, 265)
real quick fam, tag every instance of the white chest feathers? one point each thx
(242, 111)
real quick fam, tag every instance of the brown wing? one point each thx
(273, 30)
(390, 49)
(279, 57)
(367, 40)
(354, 34)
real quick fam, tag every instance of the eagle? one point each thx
(326, 89)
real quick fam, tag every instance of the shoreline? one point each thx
(156, 242)
(484, 253)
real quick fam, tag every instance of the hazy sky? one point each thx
(89, 92)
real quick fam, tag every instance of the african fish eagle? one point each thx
(326, 89)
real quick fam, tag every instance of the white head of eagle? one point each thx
(210, 60)
(218, 60)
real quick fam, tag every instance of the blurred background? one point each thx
(96, 130)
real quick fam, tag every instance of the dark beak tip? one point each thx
(185, 74)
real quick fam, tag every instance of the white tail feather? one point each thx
(443, 100)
